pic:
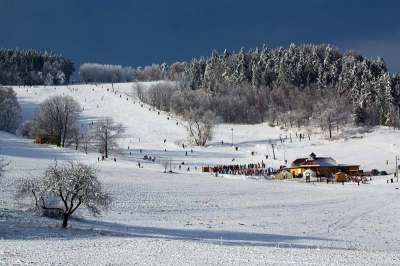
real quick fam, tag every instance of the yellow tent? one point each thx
(283, 175)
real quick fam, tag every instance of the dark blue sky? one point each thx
(144, 32)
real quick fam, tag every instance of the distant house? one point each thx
(322, 166)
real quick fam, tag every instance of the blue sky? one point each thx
(144, 32)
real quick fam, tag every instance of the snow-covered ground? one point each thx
(195, 218)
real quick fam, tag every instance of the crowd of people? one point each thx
(358, 179)
(252, 169)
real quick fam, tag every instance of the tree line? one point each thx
(306, 85)
(102, 73)
(32, 67)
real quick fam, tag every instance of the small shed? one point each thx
(341, 177)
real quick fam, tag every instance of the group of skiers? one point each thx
(256, 169)
(104, 157)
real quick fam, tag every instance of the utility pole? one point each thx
(284, 154)
(273, 150)
(232, 136)
(397, 169)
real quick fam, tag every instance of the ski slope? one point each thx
(147, 129)
(195, 218)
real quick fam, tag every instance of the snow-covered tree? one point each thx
(200, 126)
(92, 72)
(10, 111)
(64, 188)
(280, 83)
(32, 67)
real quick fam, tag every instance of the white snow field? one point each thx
(194, 218)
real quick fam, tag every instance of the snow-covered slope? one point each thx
(147, 129)
(195, 218)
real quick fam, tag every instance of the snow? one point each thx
(191, 217)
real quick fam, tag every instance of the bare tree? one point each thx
(65, 188)
(309, 130)
(160, 95)
(138, 90)
(25, 129)
(57, 119)
(86, 139)
(332, 112)
(107, 134)
(200, 126)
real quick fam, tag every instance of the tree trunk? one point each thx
(59, 138)
(64, 136)
(106, 144)
(273, 151)
(106, 150)
(330, 128)
(65, 221)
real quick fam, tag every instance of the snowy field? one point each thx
(193, 218)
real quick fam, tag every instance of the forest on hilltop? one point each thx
(294, 86)
(32, 67)
(301, 85)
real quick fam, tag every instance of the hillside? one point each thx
(146, 129)
(193, 217)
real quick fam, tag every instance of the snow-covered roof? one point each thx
(315, 162)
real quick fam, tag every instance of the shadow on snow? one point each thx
(21, 228)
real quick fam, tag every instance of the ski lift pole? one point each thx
(397, 169)
(232, 136)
